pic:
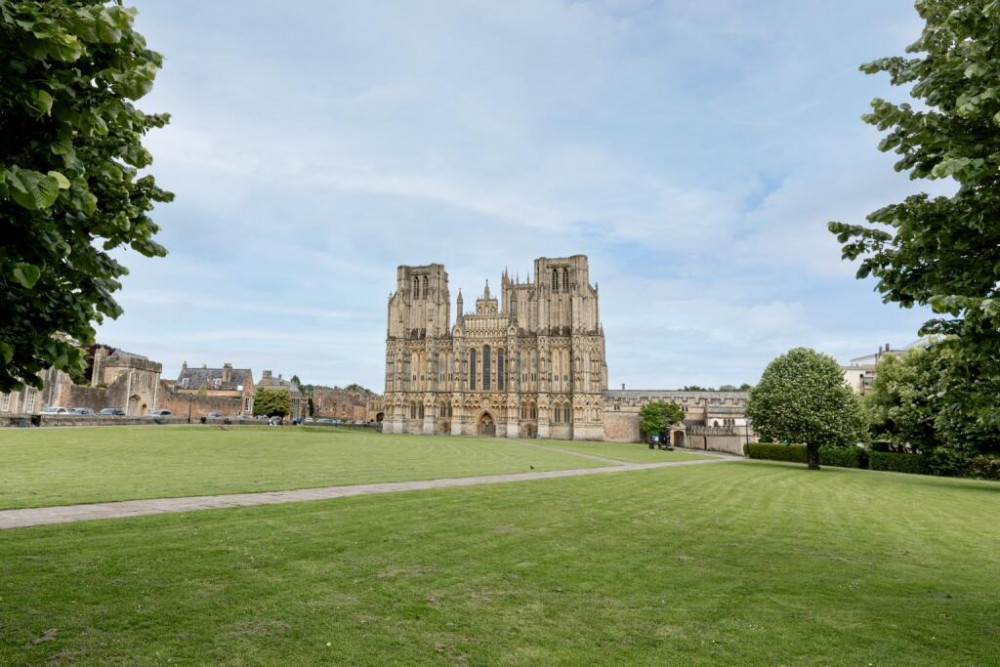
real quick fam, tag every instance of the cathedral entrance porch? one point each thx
(486, 427)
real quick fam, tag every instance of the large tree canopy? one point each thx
(70, 189)
(802, 398)
(272, 401)
(942, 251)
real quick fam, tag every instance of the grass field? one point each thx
(42, 467)
(749, 564)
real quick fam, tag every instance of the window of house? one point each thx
(217, 382)
(184, 382)
(5, 403)
(29, 399)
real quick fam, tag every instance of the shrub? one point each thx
(984, 467)
(916, 464)
(843, 457)
(774, 452)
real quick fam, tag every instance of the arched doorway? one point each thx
(528, 431)
(380, 416)
(487, 427)
(678, 438)
(133, 406)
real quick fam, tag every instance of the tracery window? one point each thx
(555, 280)
(565, 280)
(486, 368)
(416, 287)
(500, 370)
(425, 287)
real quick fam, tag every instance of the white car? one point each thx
(55, 410)
(160, 413)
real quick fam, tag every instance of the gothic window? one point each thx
(534, 412)
(425, 287)
(565, 280)
(500, 370)
(555, 280)
(472, 370)
(486, 368)
(416, 287)
(421, 411)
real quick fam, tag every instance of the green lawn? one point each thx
(75, 465)
(737, 564)
(630, 452)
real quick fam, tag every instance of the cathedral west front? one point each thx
(530, 363)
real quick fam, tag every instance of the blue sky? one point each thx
(694, 151)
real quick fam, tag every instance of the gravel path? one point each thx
(39, 516)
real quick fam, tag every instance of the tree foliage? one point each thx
(942, 251)
(272, 401)
(802, 398)
(902, 403)
(658, 416)
(70, 189)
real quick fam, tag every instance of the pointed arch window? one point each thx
(555, 280)
(486, 368)
(416, 287)
(501, 370)
(425, 287)
(565, 280)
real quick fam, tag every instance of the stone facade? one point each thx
(530, 364)
(114, 379)
(337, 403)
(226, 382)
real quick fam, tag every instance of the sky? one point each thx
(694, 151)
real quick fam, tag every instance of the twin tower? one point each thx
(529, 364)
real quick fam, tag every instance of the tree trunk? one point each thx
(812, 455)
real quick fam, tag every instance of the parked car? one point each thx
(160, 413)
(275, 421)
(326, 420)
(55, 410)
(82, 411)
(214, 415)
(261, 418)
(309, 420)
(112, 411)
(240, 418)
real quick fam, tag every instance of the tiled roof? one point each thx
(205, 377)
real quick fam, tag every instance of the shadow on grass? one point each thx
(976, 485)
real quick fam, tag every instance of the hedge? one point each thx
(843, 457)
(775, 452)
(916, 464)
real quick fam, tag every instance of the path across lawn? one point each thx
(23, 518)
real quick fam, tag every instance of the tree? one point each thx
(272, 401)
(358, 388)
(802, 398)
(70, 190)
(944, 251)
(902, 404)
(658, 416)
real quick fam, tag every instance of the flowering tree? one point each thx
(802, 398)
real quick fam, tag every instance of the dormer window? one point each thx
(217, 382)
(184, 382)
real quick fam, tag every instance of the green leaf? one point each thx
(32, 190)
(43, 102)
(61, 180)
(26, 274)
(6, 352)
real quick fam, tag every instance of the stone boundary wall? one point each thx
(228, 406)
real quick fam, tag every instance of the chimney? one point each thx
(227, 373)
(204, 365)
(887, 347)
(266, 375)
(184, 365)
(279, 378)
(623, 386)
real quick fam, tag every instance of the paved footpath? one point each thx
(39, 516)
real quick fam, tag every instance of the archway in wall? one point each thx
(380, 416)
(133, 405)
(678, 438)
(527, 430)
(487, 427)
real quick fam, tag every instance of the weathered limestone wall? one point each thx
(199, 405)
(621, 426)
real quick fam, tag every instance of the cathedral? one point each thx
(529, 364)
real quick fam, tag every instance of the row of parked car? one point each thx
(105, 412)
